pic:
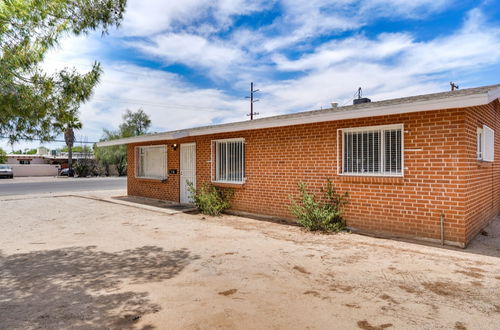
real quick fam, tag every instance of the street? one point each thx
(40, 185)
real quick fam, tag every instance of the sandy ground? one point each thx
(79, 263)
(34, 179)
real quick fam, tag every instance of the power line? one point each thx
(141, 102)
(112, 69)
(138, 102)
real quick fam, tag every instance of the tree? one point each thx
(3, 156)
(134, 123)
(69, 138)
(115, 155)
(85, 149)
(36, 104)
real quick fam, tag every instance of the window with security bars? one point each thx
(151, 162)
(230, 160)
(372, 151)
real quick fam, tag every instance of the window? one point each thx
(151, 162)
(480, 143)
(373, 150)
(24, 162)
(229, 160)
(485, 144)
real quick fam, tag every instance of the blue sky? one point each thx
(190, 63)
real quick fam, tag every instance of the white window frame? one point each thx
(382, 128)
(214, 168)
(485, 145)
(137, 162)
(479, 143)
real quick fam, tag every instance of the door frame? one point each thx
(180, 167)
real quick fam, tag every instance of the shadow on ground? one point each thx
(79, 288)
(169, 205)
(488, 241)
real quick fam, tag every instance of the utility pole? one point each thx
(453, 86)
(252, 101)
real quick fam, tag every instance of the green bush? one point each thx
(324, 213)
(209, 199)
(84, 167)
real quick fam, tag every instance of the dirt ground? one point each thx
(80, 263)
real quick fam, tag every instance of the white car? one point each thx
(6, 171)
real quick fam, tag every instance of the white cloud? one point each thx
(146, 17)
(403, 8)
(150, 17)
(389, 62)
(386, 66)
(192, 50)
(358, 48)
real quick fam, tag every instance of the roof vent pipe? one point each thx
(360, 99)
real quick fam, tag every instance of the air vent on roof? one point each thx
(360, 99)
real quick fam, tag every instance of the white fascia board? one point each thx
(307, 118)
(493, 95)
(136, 139)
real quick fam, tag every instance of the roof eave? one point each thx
(459, 101)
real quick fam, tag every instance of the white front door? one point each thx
(188, 169)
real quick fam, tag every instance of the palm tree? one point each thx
(69, 138)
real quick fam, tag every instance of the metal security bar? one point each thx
(372, 150)
(393, 151)
(229, 160)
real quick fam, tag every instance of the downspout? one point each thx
(442, 228)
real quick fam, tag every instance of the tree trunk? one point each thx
(69, 138)
(70, 160)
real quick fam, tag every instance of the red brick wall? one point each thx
(483, 181)
(436, 179)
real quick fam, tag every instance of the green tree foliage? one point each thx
(36, 104)
(134, 123)
(31, 152)
(323, 213)
(114, 155)
(3, 156)
(86, 149)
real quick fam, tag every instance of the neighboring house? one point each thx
(406, 162)
(43, 163)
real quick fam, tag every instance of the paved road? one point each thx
(23, 186)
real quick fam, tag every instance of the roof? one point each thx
(437, 101)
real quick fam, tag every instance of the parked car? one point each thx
(66, 172)
(6, 172)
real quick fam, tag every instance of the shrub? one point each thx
(324, 213)
(209, 199)
(83, 168)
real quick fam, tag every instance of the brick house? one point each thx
(407, 163)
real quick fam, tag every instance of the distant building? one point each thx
(44, 163)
